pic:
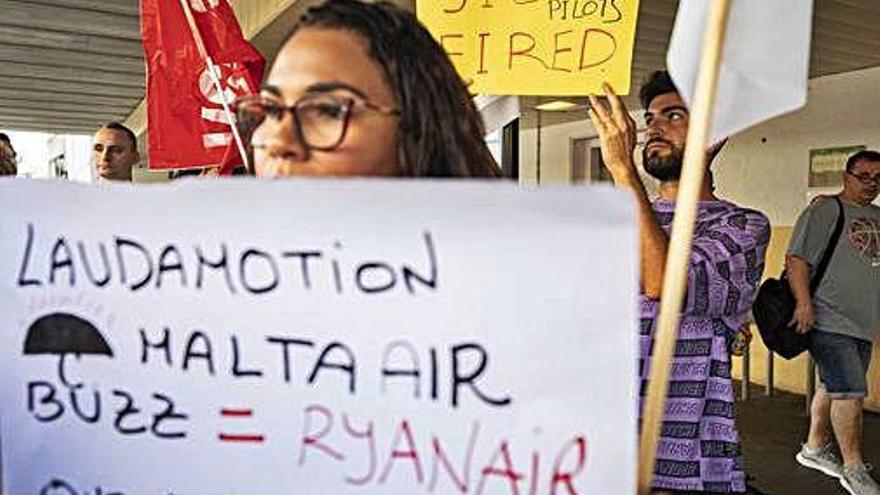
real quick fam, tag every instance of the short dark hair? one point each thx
(5, 138)
(440, 133)
(658, 83)
(116, 126)
(864, 155)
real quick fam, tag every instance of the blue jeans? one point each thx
(843, 363)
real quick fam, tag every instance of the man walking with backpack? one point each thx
(842, 317)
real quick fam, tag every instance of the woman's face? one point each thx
(324, 72)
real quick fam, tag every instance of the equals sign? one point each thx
(239, 437)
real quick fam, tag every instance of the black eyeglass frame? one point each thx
(349, 102)
(865, 179)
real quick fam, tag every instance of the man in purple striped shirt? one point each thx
(699, 449)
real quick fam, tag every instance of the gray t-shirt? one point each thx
(848, 299)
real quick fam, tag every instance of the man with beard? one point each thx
(699, 445)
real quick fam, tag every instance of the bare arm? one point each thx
(652, 238)
(617, 134)
(798, 272)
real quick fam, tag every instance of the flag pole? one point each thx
(214, 74)
(675, 274)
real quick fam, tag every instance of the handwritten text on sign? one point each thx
(333, 337)
(560, 47)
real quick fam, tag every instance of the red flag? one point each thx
(186, 123)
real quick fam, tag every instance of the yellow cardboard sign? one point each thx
(536, 47)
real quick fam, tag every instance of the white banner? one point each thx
(353, 337)
(764, 65)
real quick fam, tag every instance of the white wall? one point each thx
(555, 162)
(556, 145)
(767, 166)
(78, 150)
(32, 151)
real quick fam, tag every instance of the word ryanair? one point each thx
(135, 265)
(378, 454)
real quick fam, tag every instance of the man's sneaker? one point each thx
(821, 460)
(857, 481)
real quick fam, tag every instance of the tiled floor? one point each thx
(772, 429)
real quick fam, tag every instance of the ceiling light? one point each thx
(557, 106)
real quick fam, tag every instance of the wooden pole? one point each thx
(675, 275)
(214, 73)
(194, 29)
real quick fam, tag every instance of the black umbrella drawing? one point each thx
(63, 334)
(55, 487)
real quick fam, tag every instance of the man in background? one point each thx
(841, 318)
(114, 152)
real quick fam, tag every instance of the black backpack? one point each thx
(774, 305)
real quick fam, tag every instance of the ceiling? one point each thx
(68, 66)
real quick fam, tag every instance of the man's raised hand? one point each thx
(617, 132)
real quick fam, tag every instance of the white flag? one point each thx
(764, 66)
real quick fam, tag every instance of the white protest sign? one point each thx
(354, 337)
(764, 66)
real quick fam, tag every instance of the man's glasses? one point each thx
(866, 179)
(320, 120)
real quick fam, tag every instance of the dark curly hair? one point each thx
(441, 133)
(658, 83)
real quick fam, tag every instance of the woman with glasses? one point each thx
(364, 90)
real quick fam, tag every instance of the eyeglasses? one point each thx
(320, 120)
(865, 178)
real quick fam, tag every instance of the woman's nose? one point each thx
(281, 138)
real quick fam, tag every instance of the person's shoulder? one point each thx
(753, 216)
(821, 208)
(746, 223)
(823, 204)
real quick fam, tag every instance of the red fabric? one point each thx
(180, 94)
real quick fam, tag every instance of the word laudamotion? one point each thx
(352, 337)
